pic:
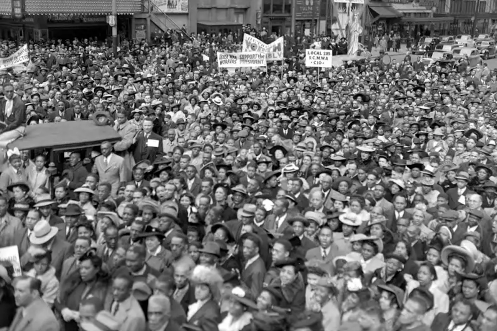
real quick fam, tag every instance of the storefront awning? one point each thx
(383, 10)
(447, 19)
(82, 7)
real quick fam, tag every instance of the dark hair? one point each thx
(168, 280)
(106, 184)
(189, 196)
(89, 226)
(34, 283)
(139, 250)
(372, 308)
(127, 277)
(430, 267)
(133, 207)
(373, 244)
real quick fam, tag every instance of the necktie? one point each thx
(276, 222)
(324, 254)
(116, 307)
(105, 161)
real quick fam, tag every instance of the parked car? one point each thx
(446, 47)
(432, 57)
(447, 40)
(470, 53)
(465, 40)
(486, 48)
(484, 36)
(426, 44)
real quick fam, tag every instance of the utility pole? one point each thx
(475, 18)
(294, 11)
(114, 28)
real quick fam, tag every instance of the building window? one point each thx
(239, 17)
(441, 7)
(277, 7)
(267, 7)
(483, 6)
(288, 7)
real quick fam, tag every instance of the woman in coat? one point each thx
(205, 311)
(291, 284)
(90, 280)
(45, 273)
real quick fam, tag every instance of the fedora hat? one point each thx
(463, 175)
(212, 248)
(44, 200)
(104, 321)
(151, 231)
(248, 210)
(42, 233)
(73, 210)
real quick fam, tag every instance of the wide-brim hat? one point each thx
(399, 182)
(243, 297)
(397, 292)
(151, 231)
(111, 215)
(84, 189)
(301, 219)
(44, 200)
(18, 184)
(366, 149)
(169, 215)
(350, 219)
(482, 166)
(278, 147)
(378, 241)
(451, 250)
(42, 233)
(223, 226)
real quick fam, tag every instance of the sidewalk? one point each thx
(403, 51)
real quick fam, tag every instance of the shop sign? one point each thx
(172, 6)
(76, 18)
(17, 8)
(306, 9)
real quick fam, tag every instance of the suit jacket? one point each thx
(302, 202)
(253, 276)
(307, 244)
(171, 326)
(113, 173)
(143, 183)
(454, 197)
(107, 259)
(288, 135)
(270, 224)
(61, 250)
(17, 116)
(442, 322)
(127, 131)
(68, 115)
(11, 231)
(77, 175)
(196, 186)
(129, 314)
(37, 317)
(141, 151)
(188, 298)
(392, 221)
(326, 263)
(458, 235)
(206, 316)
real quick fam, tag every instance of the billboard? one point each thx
(307, 9)
(172, 6)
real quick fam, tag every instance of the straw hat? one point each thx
(44, 200)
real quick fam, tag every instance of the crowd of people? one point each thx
(362, 198)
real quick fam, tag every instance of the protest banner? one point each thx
(273, 50)
(241, 60)
(21, 56)
(319, 58)
(11, 254)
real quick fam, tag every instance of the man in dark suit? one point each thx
(148, 145)
(184, 293)
(284, 131)
(77, 173)
(458, 195)
(193, 183)
(254, 269)
(138, 180)
(399, 205)
(62, 112)
(458, 229)
(458, 318)
(13, 114)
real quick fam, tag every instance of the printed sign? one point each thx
(21, 56)
(318, 58)
(241, 60)
(11, 254)
(306, 9)
(274, 50)
(172, 6)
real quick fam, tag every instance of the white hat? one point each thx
(350, 219)
(42, 233)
